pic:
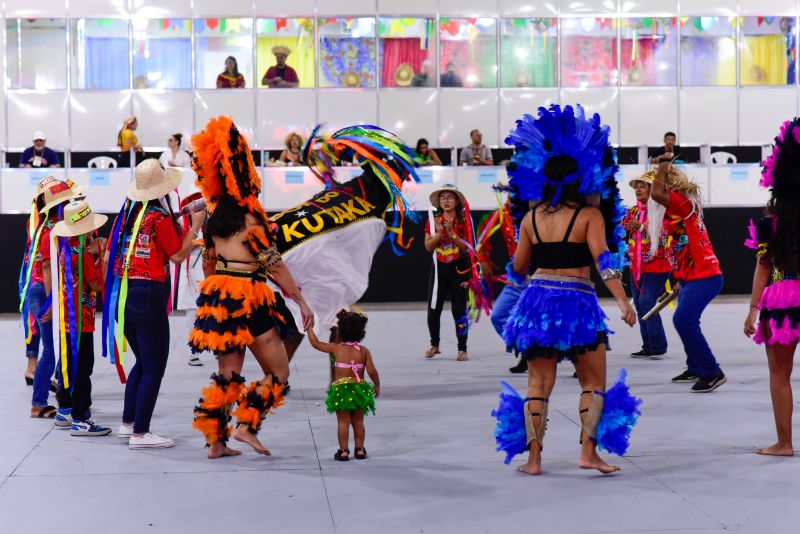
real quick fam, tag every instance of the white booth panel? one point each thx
(29, 9)
(476, 184)
(286, 187)
(410, 114)
(407, 7)
(97, 8)
(708, 116)
(467, 8)
(645, 114)
(771, 7)
(431, 179)
(602, 101)
(516, 103)
(463, 111)
(648, 7)
(227, 8)
(346, 7)
(161, 115)
(736, 185)
(162, 8)
(238, 104)
(271, 8)
(529, 8)
(29, 112)
(107, 187)
(97, 118)
(281, 112)
(761, 112)
(17, 187)
(588, 7)
(708, 7)
(339, 108)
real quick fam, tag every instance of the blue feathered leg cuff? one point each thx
(620, 415)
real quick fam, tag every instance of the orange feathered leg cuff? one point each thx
(212, 415)
(257, 400)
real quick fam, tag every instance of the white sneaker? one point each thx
(150, 441)
(125, 431)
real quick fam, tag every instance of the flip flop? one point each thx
(47, 412)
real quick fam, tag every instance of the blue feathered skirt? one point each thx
(556, 317)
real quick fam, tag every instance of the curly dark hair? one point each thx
(352, 326)
(784, 206)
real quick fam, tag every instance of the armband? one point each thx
(269, 257)
(608, 271)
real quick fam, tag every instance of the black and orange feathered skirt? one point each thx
(233, 309)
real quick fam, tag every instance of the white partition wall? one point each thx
(715, 71)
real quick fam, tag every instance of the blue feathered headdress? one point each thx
(567, 132)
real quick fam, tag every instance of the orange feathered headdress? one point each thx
(224, 166)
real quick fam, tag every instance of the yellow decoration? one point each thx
(396, 28)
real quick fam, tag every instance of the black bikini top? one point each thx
(560, 254)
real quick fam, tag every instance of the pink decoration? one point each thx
(752, 241)
(781, 296)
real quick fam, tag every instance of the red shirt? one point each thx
(156, 241)
(88, 298)
(686, 240)
(289, 75)
(649, 264)
(229, 82)
(42, 252)
(448, 251)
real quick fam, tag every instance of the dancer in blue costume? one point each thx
(565, 165)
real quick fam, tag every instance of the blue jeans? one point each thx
(501, 310)
(47, 363)
(693, 298)
(651, 286)
(147, 332)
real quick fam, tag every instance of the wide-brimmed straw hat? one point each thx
(78, 220)
(57, 193)
(647, 178)
(446, 187)
(152, 181)
(280, 49)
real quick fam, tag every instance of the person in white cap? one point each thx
(79, 264)
(39, 155)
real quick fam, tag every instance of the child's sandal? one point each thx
(342, 455)
(361, 453)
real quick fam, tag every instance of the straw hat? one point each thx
(56, 194)
(404, 74)
(46, 183)
(78, 220)
(647, 178)
(281, 50)
(152, 181)
(446, 187)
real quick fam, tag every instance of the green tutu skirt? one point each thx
(346, 394)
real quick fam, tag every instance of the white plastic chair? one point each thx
(723, 158)
(102, 162)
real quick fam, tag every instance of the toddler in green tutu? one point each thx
(350, 396)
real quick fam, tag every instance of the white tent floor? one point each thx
(432, 466)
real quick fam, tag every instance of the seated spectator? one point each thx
(423, 78)
(126, 139)
(292, 155)
(230, 78)
(450, 78)
(174, 156)
(280, 74)
(670, 150)
(477, 153)
(39, 155)
(425, 156)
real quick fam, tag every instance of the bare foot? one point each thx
(219, 449)
(593, 461)
(534, 463)
(777, 450)
(242, 434)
